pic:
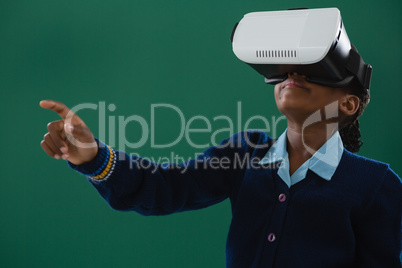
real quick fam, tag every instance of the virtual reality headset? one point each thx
(310, 42)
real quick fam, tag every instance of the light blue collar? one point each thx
(323, 162)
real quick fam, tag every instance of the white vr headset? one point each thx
(311, 42)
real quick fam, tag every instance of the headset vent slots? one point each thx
(275, 53)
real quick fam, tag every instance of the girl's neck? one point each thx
(302, 142)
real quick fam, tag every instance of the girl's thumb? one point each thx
(68, 128)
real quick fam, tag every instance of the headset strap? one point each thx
(361, 70)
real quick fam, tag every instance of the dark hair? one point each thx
(350, 127)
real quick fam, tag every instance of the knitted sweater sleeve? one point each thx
(378, 233)
(137, 184)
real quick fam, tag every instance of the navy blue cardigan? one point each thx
(354, 220)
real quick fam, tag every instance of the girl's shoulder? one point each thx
(368, 172)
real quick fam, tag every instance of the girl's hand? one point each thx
(69, 138)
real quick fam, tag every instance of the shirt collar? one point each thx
(323, 162)
(277, 152)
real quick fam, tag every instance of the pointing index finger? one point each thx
(56, 106)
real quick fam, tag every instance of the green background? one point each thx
(135, 54)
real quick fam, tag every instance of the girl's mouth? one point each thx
(293, 83)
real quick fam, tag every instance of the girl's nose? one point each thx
(292, 74)
(295, 74)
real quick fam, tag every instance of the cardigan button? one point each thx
(282, 198)
(271, 237)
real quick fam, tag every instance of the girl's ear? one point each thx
(349, 104)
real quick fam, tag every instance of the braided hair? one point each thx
(350, 127)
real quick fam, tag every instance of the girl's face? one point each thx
(297, 99)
